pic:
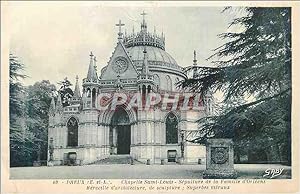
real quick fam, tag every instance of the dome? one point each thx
(154, 55)
(158, 60)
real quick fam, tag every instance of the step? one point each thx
(115, 159)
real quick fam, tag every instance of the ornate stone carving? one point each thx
(120, 65)
(219, 155)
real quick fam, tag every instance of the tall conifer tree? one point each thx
(254, 63)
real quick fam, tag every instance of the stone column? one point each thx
(115, 140)
(107, 139)
(219, 159)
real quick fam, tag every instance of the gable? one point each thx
(119, 64)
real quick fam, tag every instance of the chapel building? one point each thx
(139, 64)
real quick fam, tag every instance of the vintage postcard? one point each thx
(149, 97)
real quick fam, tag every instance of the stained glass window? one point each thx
(72, 132)
(171, 129)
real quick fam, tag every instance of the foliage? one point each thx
(19, 137)
(254, 63)
(28, 112)
(65, 91)
(38, 102)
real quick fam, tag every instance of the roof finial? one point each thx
(77, 78)
(92, 75)
(120, 30)
(133, 29)
(143, 14)
(195, 64)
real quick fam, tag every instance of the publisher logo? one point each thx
(273, 172)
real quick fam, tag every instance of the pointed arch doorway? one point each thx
(120, 132)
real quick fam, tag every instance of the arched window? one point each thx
(88, 93)
(88, 99)
(144, 89)
(72, 125)
(94, 98)
(171, 129)
(149, 89)
(169, 83)
(156, 80)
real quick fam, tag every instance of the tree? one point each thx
(254, 63)
(38, 101)
(18, 135)
(65, 91)
(28, 111)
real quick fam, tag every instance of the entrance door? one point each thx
(123, 139)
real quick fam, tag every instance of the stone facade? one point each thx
(139, 64)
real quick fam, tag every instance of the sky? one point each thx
(54, 40)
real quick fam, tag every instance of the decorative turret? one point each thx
(90, 84)
(92, 75)
(145, 79)
(59, 106)
(144, 38)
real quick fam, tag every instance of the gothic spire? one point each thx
(92, 75)
(52, 106)
(59, 105)
(77, 94)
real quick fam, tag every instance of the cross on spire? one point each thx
(120, 29)
(91, 55)
(144, 25)
(143, 14)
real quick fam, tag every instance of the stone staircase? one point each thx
(115, 159)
